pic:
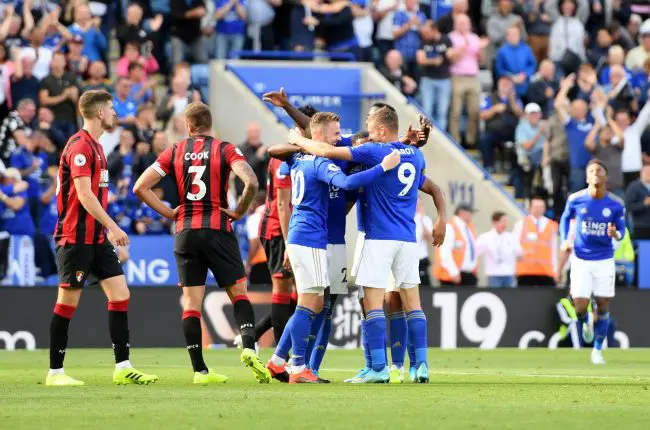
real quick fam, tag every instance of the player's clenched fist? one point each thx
(118, 237)
(390, 161)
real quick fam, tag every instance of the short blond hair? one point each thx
(93, 100)
(323, 119)
(198, 116)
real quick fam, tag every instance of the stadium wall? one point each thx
(462, 317)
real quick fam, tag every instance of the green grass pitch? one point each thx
(469, 389)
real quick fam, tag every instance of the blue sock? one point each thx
(364, 343)
(411, 350)
(600, 330)
(376, 328)
(582, 319)
(300, 324)
(315, 328)
(322, 339)
(284, 344)
(417, 324)
(398, 335)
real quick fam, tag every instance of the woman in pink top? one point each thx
(465, 84)
(132, 55)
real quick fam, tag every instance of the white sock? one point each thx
(278, 361)
(297, 369)
(126, 364)
(56, 371)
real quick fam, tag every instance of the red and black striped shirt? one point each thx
(270, 225)
(82, 156)
(200, 167)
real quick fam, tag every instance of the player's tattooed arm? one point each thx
(91, 204)
(283, 151)
(244, 172)
(142, 189)
(440, 227)
(319, 149)
(280, 99)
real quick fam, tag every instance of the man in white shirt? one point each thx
(455, 260)
(631, 159)
(424, 236)
(500, 250)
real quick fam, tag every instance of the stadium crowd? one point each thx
(538, 86)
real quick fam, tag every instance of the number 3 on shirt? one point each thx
(298, 186)
(198, 174)
(404, 179)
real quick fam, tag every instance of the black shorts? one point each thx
(75, 263)
(274, 249)
(197, 251)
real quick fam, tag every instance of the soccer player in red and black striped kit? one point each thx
(201, 167)
(85, 237)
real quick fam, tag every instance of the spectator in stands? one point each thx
(363, 28)
(638, 56)
(255, 153)
(96, 78)
(49, 128)
(543, 87)
(556, 155)
(46, 224)
(383, 13)
(538, 23)
(455, 261)
(148, 221)
(125, 107)
(465, 84)
(186, 30)
(141, 89)
(59, 92)
(24, 85)
(567, 37)
(501, 112)
(159, 143)
(336, 21)
(6, 69)
(95, 44)
(515, 59)
(500, 250)
(145, 122)
(132, 55)
(435, 85)
(15, 216)
(599, 50)
(175, 129)
(500, 21)
(529, 144)
(637, 202)
(408, 24)
(620, 36)
(16, 128)
(31, 162)
(605, 141)
(303, 27)
(619, 90)
(615, 57)
(395, 72)
(605, 12)
(231, 25)
(41, 55)
(634, 27)
(10, 29)
(119, 210)
(577, 124)
(133, 30)
(55, 32)
(446, 21)
(120, 161)
(260, 23)
(586, 83)
(76, 63)
(424, 236)
(174, 103)
(632, 157)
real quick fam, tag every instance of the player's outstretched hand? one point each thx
(294, 135)
(118, 237)
(233, 214)
(439, 231)
(276, 98)
(390, 161)
(611, 231)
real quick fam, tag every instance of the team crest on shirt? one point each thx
(333, 167)
(79, 160)
(607, 212)
(79, 275)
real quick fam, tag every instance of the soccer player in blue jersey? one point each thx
(390, 242)
(600, 216)
(311, 178)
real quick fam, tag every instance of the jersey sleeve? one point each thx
(282, 178)
(79, 158)
(367, 154)
(565, 220)
(233, 154)
(333, 175)
(163, 164)
(619, 220)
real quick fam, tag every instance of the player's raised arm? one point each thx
(283, 151)
(440, 227)
(280, 99)
(332, 174)
(319, 149)
(244, 172)
(90, 203)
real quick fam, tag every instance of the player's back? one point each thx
(200, 167)
(592, 218)
(309, 197)
(392, 199)
(82, 157)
